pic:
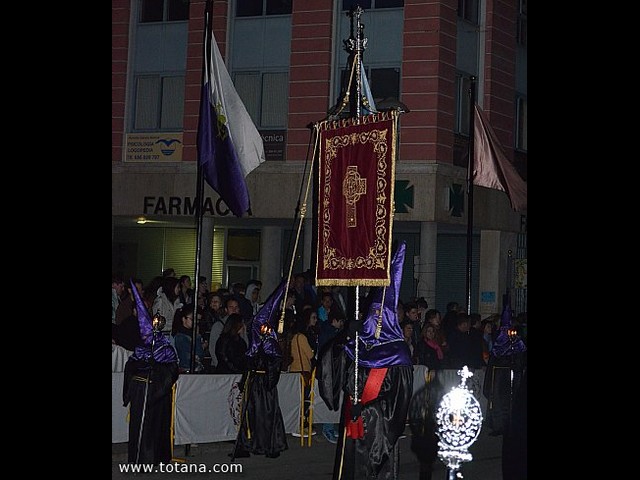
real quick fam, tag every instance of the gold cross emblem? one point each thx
(353, 187)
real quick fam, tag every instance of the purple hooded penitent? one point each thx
(505, 345)
(390, 349)
(163, 351)
(266, 315)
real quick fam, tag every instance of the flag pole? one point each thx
(200, 195)
(358, 47)
(199, 215)
(472, 102)
(355, 45)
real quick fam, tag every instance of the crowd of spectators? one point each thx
(311, 315)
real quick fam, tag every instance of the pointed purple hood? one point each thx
(266, 315)
(390, 349)
(163, 351)
(505, 345)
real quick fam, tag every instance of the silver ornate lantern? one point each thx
(459, 419)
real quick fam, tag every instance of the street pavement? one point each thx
(309, 463)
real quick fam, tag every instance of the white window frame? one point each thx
(522, 23)
(463, 104)
(160, 108)
(521, 123)
(165, 13)
(258, 101)
(467, 13)
(264, 11)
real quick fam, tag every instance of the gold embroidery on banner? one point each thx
(377, 255)
(353, 187)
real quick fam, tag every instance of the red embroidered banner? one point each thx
(355, 200)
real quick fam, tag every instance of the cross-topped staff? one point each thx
(459, 418)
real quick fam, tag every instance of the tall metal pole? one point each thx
(355, 44)
(472, 113)
(199, 215)
(200, 190)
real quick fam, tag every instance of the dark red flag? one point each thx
(492, 168)
(355, 204)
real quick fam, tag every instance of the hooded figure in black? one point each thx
(505, 389)
(423, 423)
(149, 375)
(373, 415)
(261, 425)
(507, 362)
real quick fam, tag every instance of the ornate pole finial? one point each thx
(356, 45)
(464, 373)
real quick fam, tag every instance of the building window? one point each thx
(243, 245)
(522, 23)
(265, 96)
(258, 8)
(243, 255)
(163, 10)
(468, 10)
(159, 103)
(521, 126)
(369, 4)
(463, 104)
(145, 251)
(383, 82)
